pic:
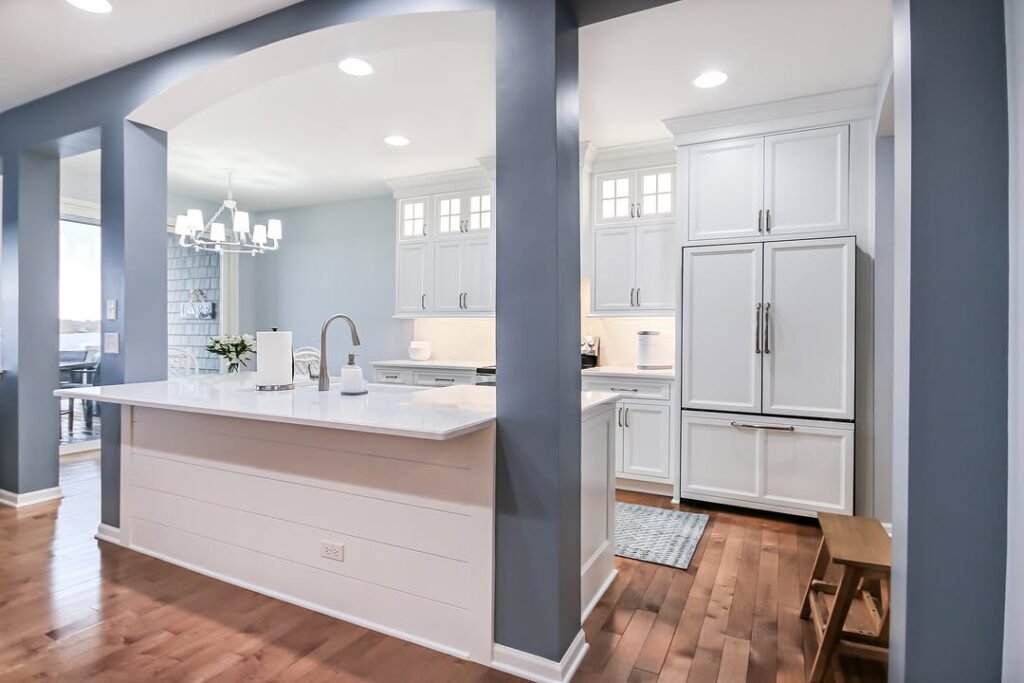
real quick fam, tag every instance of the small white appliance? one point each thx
(651, 351)
(419, 350)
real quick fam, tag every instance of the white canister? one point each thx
(651, 353)
(274, 365)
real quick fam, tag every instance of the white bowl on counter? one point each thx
(419, 350)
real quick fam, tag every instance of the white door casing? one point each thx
(808, 338)
(721, 363)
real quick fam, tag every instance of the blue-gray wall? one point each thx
(951, 326)
(334, 258)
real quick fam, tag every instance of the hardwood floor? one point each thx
(74, 609)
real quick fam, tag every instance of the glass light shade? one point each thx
(94, 6)
(217, 232)
(259, 234)
(242, 222)
(181, 225)
(195, 220)
(274, 229)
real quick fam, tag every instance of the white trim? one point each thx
(230, 292)
(888, 528)
(108, 533)
(589, 607)
(20, 500)
(628, 157)
(72, 209)
(538, 669)
(79, 448)
(814, 111)
(625, 482)
(441, 183)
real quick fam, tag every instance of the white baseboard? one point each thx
(537, 669)
(888, 528)
(79, 448)
(110, 534)
(587, 609)
(643, 486)
(20, 500)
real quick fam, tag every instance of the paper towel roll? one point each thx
(274, 360)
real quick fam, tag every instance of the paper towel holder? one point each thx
(279, 387)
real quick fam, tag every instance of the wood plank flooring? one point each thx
(74, 609)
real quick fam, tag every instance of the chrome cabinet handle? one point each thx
(632, 210)
(620, 417)
(639, 211)
(638, 297)
(423, 301)
(757, 328)
(767, 329)
(615, 389)
(424, 229)
(627, 418)
(775, 428)
(768, 221)
(632, 297)
(760, 220)
(465, 300)
(444, 380)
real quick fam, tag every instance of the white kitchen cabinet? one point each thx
(614, 195)
(614, 282)
(464, 213)
(645, 428)
(726, 189)
(809, 328)
(806, 181)
(447, 276)
(633, 196)
(769, 328)
(796, 467)
(794, 183)
(413, 217)
(464, 275)
(720, 344)
(634, 269)
(413, 265)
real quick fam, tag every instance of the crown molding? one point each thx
(438, 183)
(639, 155)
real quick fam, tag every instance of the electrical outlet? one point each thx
(332, 551)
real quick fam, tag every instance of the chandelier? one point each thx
(211, 235)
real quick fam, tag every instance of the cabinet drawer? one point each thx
(392, 376)
(629, 387)
(442, 379)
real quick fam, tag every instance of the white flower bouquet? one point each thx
(235, 349)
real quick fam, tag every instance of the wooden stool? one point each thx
(862, 549)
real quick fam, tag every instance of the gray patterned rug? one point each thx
(656, 535)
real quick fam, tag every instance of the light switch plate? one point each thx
(111, 309)
(111, 342)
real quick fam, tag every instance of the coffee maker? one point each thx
(590, 348)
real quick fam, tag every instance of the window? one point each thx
(80, 290)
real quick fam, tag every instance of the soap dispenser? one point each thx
(352, 382)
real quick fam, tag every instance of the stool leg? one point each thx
(836, 619)
(820, 565)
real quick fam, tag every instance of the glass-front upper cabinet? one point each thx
(656, 193)
(412, 219)
(464, 213)
(636, 195)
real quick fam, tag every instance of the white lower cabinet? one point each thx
(792, 466)
(645, 429)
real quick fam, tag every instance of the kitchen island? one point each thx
(376, 509)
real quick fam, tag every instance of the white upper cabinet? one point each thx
(780, 185)
(721, 330)
(635, 195)
(464, 213)
(447, 277)
(413, 278)
(449, 215)
(479, 212)
(726, 189)
(412, 219)
(477, 275)
(655, 267)
(809, 328)
(806, 181)
(614, 284)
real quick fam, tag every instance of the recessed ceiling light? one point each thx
(397, 140)
(711, 79)
(94, 6)
(354, 66)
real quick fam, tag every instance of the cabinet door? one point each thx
(645, 439)
(449, 215)
(719, 459)
(721, 359)
(809, 328)
(656, 263)
(412, 219)
(477, 278)
(809, 468)
(656, 193)
(726, 189)
(447, 274)
(479, 212)
(614, 198)
(614, 285)
(413, 278)
(807, 179)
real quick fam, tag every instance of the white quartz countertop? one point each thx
(430, 413)
(432, 364)
(625, 371)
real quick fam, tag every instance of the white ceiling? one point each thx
(56, 45)
(298, 131)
